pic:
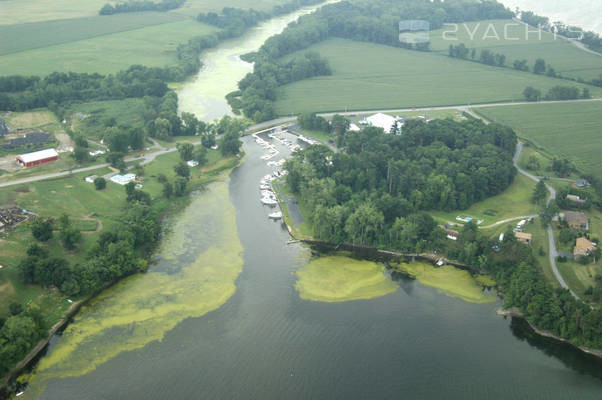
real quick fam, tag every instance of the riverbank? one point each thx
(516, 313)
(374, 253)
(166, 209)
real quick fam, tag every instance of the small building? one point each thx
(583, 248)
(576, 220)
(38, 157)
(192, 163)
(123, 179)
(525, 238)
(90, 179)
(95, 153)
(575, 199)
(581, 184)
(450, 233)
(354, 128)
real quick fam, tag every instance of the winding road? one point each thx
(553, 253)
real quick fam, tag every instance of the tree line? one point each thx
(138, 6)
(556, 93)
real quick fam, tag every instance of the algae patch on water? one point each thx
(198, 264)
(338, 278)
(449, 280)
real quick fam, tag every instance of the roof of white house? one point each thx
(123, 179)
(381, 120)
(38, 155)
(354, 127)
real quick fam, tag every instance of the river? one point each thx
(231, 310)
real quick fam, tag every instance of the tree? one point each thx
(41, 228)
(539, 67)
(80, 154)
(533, 163)
(179, 186)
(70, 237)
(185, 150)
(200, 155)
(540, 193)
(208, 140)
(15, 308)
(100, 183)
(167, 189)
(162, 128)
(116, 161)
(231, 144)
(190, 124)
(182, 170)
(532, 94)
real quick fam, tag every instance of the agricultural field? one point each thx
(513, 202)
(152, 46)
(566, 130)
(368, 76)
(195, 7)
(23, 11)
(23, 37)
(516, 44)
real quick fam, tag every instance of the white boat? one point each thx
(265, 186)
(275, 215)
(268, 201)
(266, 193)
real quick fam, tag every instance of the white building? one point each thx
(354, 128)
(383, 121)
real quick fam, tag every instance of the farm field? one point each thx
(195, 7)
(513, 202)
(152, 46)
(569, 130)
(566, 58)
(368, 76)
(23, 37)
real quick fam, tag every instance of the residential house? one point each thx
(575, 199)
(576, 220)
(583, 248)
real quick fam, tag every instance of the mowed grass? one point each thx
(566, 130)
(152, 46)
(23, 37)
(368, 76)
(512, 39)
(513, 202)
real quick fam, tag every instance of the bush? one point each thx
(100, 183)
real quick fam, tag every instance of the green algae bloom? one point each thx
(338, 278)
(448, 280)
(196, 271)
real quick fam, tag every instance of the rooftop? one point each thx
(38, 155)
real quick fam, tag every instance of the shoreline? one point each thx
(511, 312)
(37, 351)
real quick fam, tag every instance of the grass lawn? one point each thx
(513, 202)
(152, 46)
(368, 76)
(540, 241)
(301, 230)
(567, 130)
(566, 58)
(88, 119)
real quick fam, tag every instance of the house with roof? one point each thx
(583, 248)
(523, 237)
(576, 220)
(384, 121)
(37, 157)
(575, 199)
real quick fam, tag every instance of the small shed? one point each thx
(525, 238)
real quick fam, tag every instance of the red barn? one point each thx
(37, 157)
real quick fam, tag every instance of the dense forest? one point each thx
(370, 192)
(369, 21)
(377, 189)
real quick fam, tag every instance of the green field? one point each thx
(152, 46)
(368, 76)
(23, 37)
(195, 7)
(566, 58)
(513, 202)
(569, 130)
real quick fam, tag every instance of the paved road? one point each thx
(553, 253)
